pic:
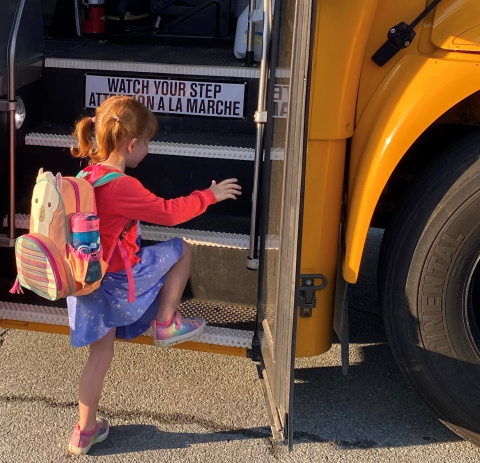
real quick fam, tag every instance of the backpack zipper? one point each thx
(76, 191)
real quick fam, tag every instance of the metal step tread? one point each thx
(187, 144)
(205, 230)
(193, 144)
(214, 223)
(206, 145)
(226, 325)
(180, 137)
(147, 58)
(158, 53)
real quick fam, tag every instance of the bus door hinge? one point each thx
(306, 299)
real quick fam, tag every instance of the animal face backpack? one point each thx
(47, 261)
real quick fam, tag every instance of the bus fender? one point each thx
(414, 94)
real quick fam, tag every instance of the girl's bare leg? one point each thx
(174, 285)
(91, 381)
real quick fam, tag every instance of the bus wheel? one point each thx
(429, 278)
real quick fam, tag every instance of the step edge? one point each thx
(152, 68)
(195, 237)
(58, 316)
(160, 68)
(156, 147)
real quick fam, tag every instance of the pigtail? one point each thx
(109, 136)
(83, 133)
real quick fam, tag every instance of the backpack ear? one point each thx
(40, 172)
(58, 179)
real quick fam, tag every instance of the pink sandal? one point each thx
(81, 441)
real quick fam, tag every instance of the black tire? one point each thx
(429, 280)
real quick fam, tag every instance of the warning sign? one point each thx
(213, 99)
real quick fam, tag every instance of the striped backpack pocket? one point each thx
(41, 268)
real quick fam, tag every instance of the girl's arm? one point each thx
(134, 201)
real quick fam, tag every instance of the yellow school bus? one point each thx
(335, 116)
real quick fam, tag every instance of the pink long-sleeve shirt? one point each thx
(126, 199)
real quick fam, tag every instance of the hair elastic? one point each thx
(116, 118)
(93, 119)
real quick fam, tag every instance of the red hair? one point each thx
(118, 118)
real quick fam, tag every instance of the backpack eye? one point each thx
(36, 200)
(49, 204)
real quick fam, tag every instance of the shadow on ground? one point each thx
(136, 438)
(373, 406)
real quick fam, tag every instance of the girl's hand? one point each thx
(228, 189)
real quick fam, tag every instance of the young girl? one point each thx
(123, 128)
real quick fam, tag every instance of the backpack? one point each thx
(47, 262)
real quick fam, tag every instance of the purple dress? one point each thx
(92, 316)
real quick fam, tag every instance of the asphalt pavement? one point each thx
(180, 406)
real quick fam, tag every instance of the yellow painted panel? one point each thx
(30, 326)
(456, 25)
(320, 230)
(469, 39)
(342, 28)
(416, 92)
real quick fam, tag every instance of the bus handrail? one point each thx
(260, 120)
(10, 105)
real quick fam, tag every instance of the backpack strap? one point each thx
(99, 181)
(106, 178)
(128, 268)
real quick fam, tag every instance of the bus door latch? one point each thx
(306, 299)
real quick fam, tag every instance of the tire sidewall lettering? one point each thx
(440, 302)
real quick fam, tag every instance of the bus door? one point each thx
(280, 208)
